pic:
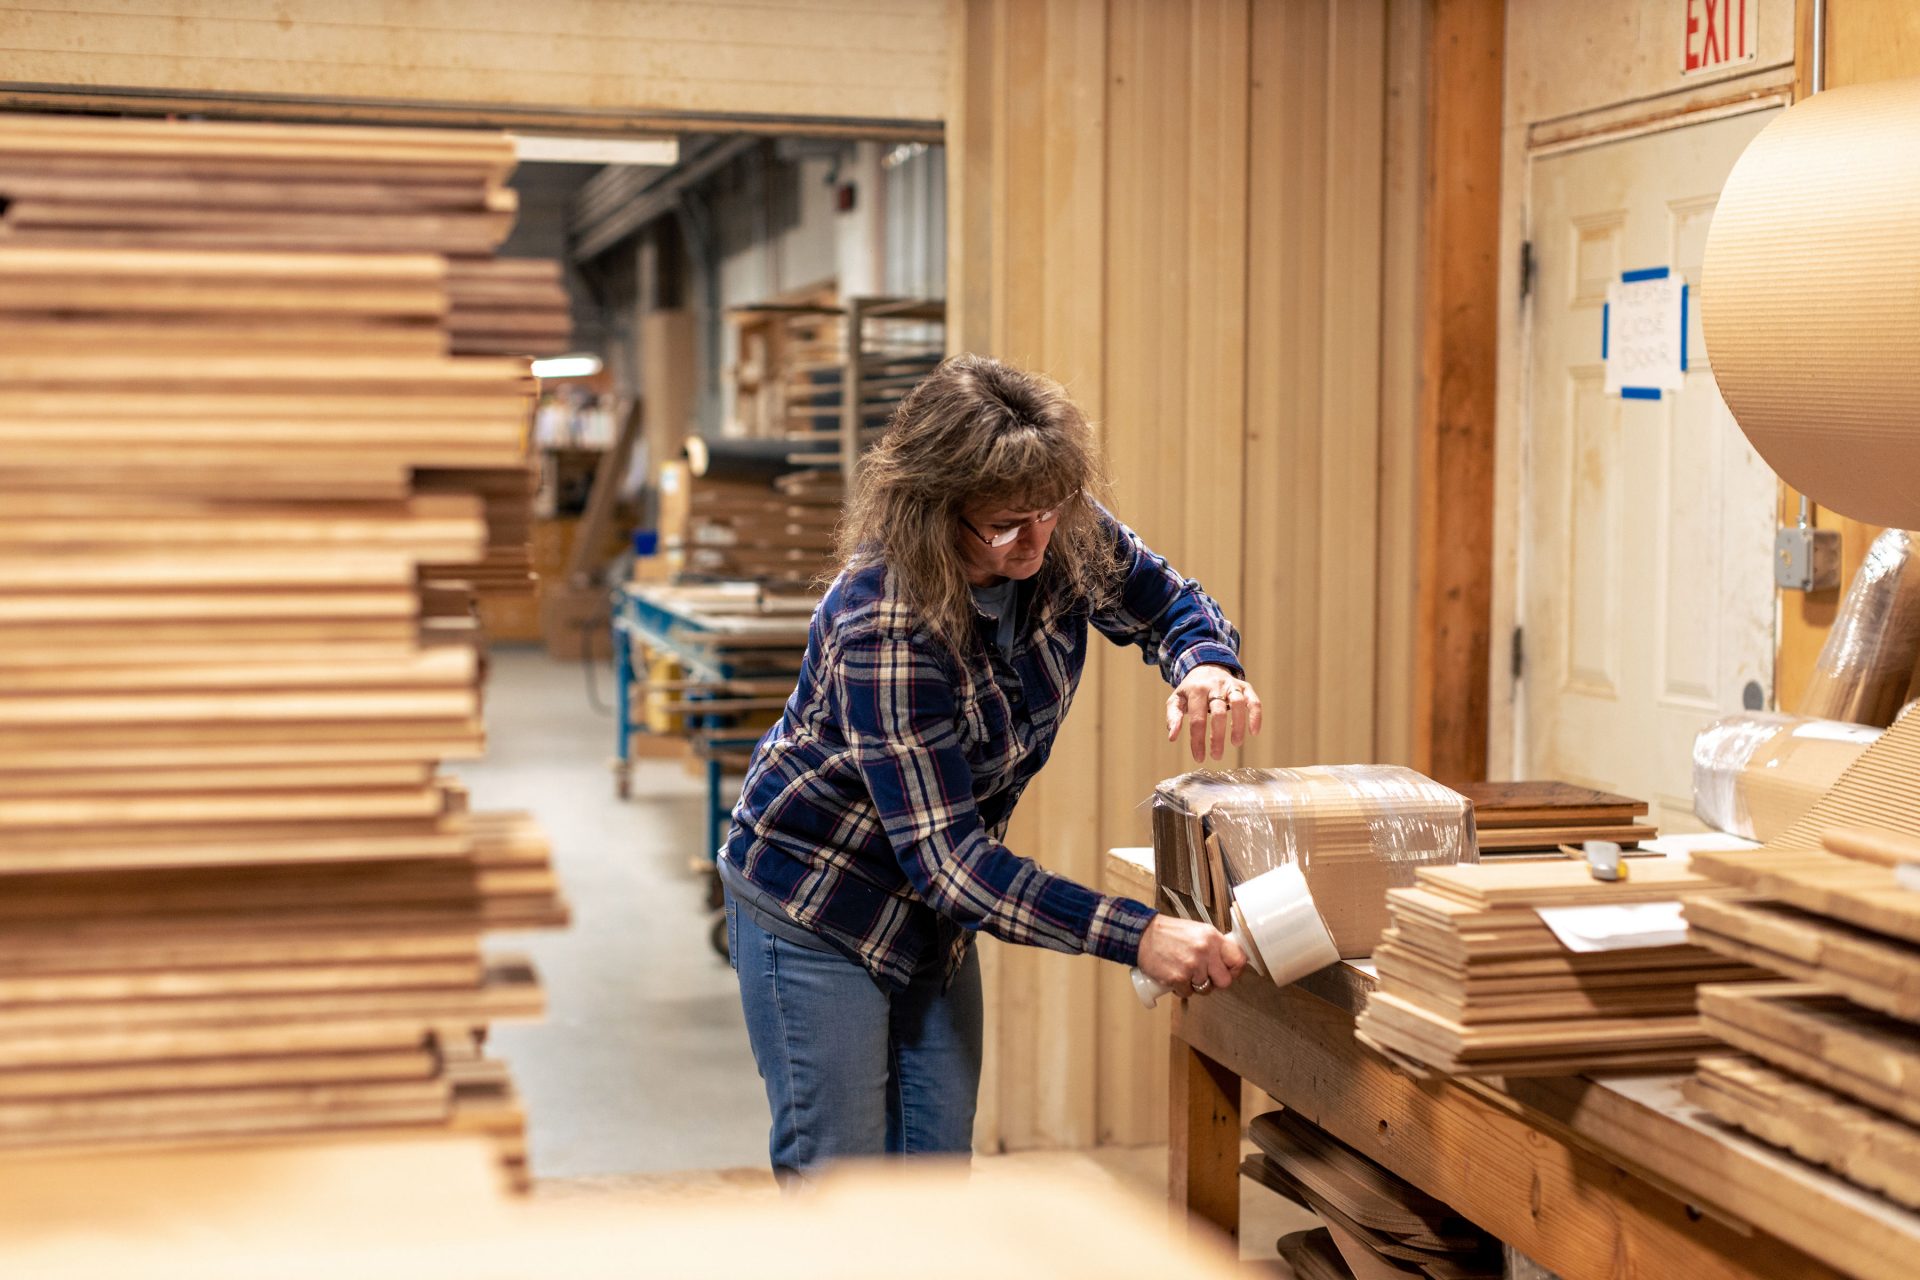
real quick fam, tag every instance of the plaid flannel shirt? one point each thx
(873, 812)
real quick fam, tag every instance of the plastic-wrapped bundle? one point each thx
(1869, 657)
(1755, 774)
(1354, 830)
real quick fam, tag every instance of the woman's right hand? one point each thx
(1187, 956)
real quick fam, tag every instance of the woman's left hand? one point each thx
(1216, 706)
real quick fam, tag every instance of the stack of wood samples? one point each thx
(1539, 817)
(1473, 982)
(239, 895)
(754, 532)
(1834, 1071)
(507, 306)
(1378, 1223)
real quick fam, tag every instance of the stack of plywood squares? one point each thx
(1834, 1071)
(239, 898)
(1474, 982)
(1535, 818)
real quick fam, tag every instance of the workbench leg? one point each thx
(622, 711)
(1203, 1142)
(718, 810)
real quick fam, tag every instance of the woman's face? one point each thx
(1019, 558)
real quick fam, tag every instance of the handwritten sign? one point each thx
(1643, 334)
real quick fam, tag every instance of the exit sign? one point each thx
(1719, 33)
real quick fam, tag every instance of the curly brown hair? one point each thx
(977, 430)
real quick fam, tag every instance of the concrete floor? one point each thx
(642, 1064)
(640, 1081)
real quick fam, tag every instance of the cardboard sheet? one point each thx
(1810, 299)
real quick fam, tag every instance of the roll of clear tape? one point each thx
(1810, 299)
(1276, 924)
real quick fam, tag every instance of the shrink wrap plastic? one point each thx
(1755, 774)
(1865, 666)
(1355, 831)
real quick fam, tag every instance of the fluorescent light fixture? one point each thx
(576, 150)
(581, 366)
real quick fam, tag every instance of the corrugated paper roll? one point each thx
(1810, 299)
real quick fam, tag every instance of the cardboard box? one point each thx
(575, 622)
(1354, 830)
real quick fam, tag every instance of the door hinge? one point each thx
(1519, 660)
(1526, 269)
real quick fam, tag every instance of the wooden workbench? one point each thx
(1592, 1177)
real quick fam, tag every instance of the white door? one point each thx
(1646, 591)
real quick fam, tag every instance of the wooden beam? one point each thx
(584, 121)
(1459, 344)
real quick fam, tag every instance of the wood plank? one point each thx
(1867, 1056)
(1870, 969)
(1460, 332)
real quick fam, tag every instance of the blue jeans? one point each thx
(852, 1069)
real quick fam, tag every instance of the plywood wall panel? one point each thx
(1072, 349)
(1404, 182)
(1187, 229)
(1350, 347)
(1286, 225)
(1214, 412)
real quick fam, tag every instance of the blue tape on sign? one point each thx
(1606, 317)
(1683, 329)
(1639, 393)
(1644, 273)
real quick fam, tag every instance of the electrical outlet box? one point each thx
(1806, 559)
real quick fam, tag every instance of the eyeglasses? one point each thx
(1005, 537)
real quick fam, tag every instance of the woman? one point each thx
(865, 851)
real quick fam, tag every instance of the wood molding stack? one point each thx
(507, 307)
(1834, 1072)
(1473, 982)
(780, 535)
(245, 496)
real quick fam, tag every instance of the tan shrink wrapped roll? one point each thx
(1868, 659)
(1810, 299)
(1354, 830)
(1755, 774)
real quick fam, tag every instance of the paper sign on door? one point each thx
(1643, 334)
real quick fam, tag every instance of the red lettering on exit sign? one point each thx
(1719, 33)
